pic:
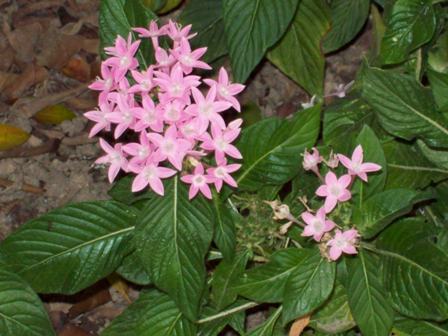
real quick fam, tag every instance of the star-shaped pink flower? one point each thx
(334, 190)
(221, 173)
(114, 157)
(343, 242)
(226, 90)
(151, 174)
(198, 182)
(190, 59)
(220, 142)
(123, 58)
(355, 166)
(317, 224)
(311, 161)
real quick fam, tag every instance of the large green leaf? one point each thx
(214, 327)
(225, 231)
(118, 17)
(334, 316)
(382, 209)
(404, 108)
(303, 40)
(133, 271)
(275, 160)
(252, 26)
(172, 237)
(226, 274)
(343, 121)
(366, 296)
(69, 249)
(410, 25)
(415, 271)
(154, 313)
(207, 20)
(267, 327)
(408, 327)
(438, 157)
(21, 311)
(347, 19)
(121, 192)
(266, 283)
(408, 168)
(439, 86)
(373, 152)
(308, 285)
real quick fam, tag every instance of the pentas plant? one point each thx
(179, 128)
(318, 223)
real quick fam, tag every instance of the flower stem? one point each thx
(228, 312)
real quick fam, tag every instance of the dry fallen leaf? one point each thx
(31, 75)
(54, 115)
(77, 68)
(120, 286)
(11, 136)
(298, 326)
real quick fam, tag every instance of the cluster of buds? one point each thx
(335, 190)
(174, 121)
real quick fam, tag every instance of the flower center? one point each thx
(223, 91)
(168, 147)
(150, 173)
(199, 180)
(318, 225)
(206, 110)
(220, 172)
(125, 61)
(221, 144)
(335, 190)
(176, 90)
(187, 60)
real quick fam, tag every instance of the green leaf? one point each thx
(334, 316)
(347, 19)
(404, 108)
(266, 283)
(225, 231)
(69, 249)
(408, 327)
(172, 237)
(410, 25)
(438, 157)
(373, 152)
(214, 327)
(252, 26)
(308, 285)
(414, 270)
(303, 40)
(366, 296)
(133, 271)
(408, 168)
(267, 327)
(121, 191)
(207, 20)
(154, 313)
(118, 17)
(382, 209)
(439, 86)
(343, 121)
(275, 160)
(225, 276)
(21, 311)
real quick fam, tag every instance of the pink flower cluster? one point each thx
(178, 127)
(335, 190)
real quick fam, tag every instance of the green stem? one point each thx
(228, 312)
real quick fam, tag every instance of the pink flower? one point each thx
(334, 190)
(148, 116)
(163, 58)
(311, 161)
(114, 157)
(356, 167)
(106, 83)
(220, 142)
(151, 174)
(177, 33)
(123, 116)
(206, 110)
(221, 173)
(190, 59)
(152, 32)
(171, 146)
(140, 151)
(343, 242)
(317, 225)
(198, 181)
(144, 81)
(175, 85)
(100, 117)
(123, 56)
(226, 90)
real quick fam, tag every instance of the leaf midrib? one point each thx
(418, 168)
(77, 247)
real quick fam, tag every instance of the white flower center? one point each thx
(220, 172)
(206, 109)
(199, 180)
(176, 90)
(318, 225)
(221, 144)
(150, 173)
(125, 62)
(168, 147)
(223, 91)
(127, 117)
(187, 60)
(172, 114)
(335, 190)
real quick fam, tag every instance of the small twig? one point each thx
(48, 147)
(25, 187)
(228, 312)
(77, 140)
